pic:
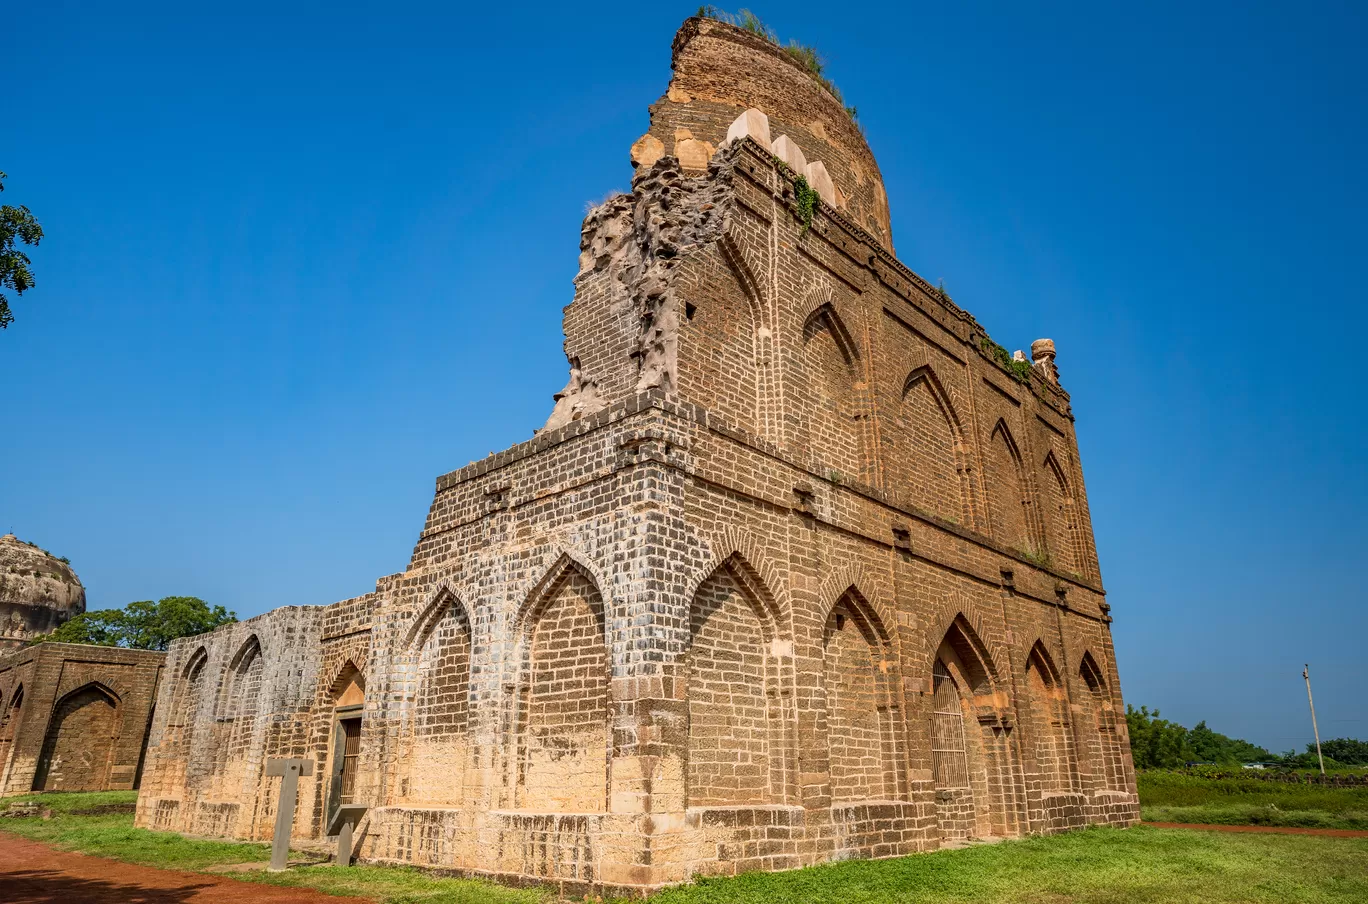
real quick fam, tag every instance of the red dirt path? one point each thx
(1280, 830)
(33, 873)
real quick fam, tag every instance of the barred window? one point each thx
(949, 756)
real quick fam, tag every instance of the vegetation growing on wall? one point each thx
(1021, 370)
(807, 199)
(805, 55)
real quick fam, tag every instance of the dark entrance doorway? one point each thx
(349, 695)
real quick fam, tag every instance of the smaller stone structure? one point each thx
(75, 717)
(38, 592)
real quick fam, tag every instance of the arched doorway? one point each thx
(971, 748)
(349, 702)
(79, 742)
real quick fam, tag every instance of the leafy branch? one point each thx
(15, 272)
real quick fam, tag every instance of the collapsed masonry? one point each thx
(800, 568)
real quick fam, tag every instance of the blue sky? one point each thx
(302, 260)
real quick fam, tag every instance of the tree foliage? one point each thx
(1156, 743)
(16, 224)
(1213, 747)
(1160, 744)
(1348, 751)
(142, 625)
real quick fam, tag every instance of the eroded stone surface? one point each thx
(38, 592)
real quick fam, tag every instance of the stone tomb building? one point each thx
(75, 717)
(800, 568)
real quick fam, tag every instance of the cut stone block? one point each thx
(820, 181)
(787, 150)
(752, 123)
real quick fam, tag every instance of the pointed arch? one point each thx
(79, 741)
(566, 564)
(1092, 676)
(248, 648)
(819, 294)
(1048, 722)
(1099, 730)
(237, 707)
(973, 765)
(738, 259)
(960, 624)
(9, 726)
(863, 703)
(241, 680)
(971, 657)
(732, 667)
(755, 591)
(1007, 489)
(725, 319)
(1061, 517)
(346, 677)
(938, 473)
(834, 407)
(855, 582)
(196, 662)
(738, 549)
(825, 319)
(927, 374)
(440, 602)
(435, 728)
(564, 701)
(186, 701)
(12, 708)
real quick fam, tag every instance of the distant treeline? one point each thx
(1160, 744)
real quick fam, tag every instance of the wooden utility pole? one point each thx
(1306, 673)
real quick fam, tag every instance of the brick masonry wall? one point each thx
(75, 717)
(824, 588)
(719, 71)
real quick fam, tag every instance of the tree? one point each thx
(1156, 743)
(142, 625)
(1348, 751)
(1213, 747)
(15, 223)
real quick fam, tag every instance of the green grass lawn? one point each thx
(1106, 866)
(1174, 797)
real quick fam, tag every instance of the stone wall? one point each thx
(799, 570)
(75, 717)
(718, 71)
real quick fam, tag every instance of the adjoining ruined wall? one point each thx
(75, 717)
(799, 570)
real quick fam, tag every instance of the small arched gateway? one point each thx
(79, 742)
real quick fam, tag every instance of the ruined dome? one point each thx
(719, 72)
(38, 591)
